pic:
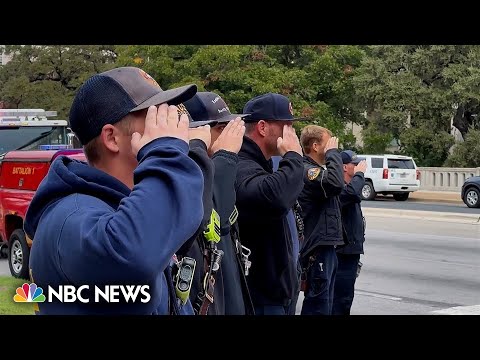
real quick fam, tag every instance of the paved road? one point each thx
(417, 267)
(4, 270)
(414, 267)
(390, 203)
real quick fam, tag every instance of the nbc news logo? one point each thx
(70, 294)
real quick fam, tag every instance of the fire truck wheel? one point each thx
(18, 254)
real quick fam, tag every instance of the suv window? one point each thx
(377, 163)
(400, 164)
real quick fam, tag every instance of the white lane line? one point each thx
(380, 296)
(459, 310)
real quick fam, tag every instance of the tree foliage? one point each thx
(317, 79)
(423, 88)
(47, 77)
(467, 153)
(427, 147)
(404, 94)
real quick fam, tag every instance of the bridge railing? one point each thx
(445, 179)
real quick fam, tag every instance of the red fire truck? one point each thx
(29, 142)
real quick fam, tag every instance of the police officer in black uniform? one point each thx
(323, 182)
(354, 224)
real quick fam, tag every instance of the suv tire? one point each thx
(368, 192)
(18, 254)
(472, 197)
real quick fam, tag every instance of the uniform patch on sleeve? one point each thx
(313, 173)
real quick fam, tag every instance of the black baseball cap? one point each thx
(350, 157)
(269, 107)
(108, 97)
(208, 108)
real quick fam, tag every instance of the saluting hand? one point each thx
(361, 167)
(202, 133)
(231, 138)
(332, 143)
(289, 141)
(161, 123)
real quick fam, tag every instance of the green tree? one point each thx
(47, 77)
(407, 86)
(317, 79)
(375, 141)
(467, 153)
(427, 147)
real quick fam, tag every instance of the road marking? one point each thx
(376, 295)
(459, 310)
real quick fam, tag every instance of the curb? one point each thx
(473, 219)
(446, 197)
(431, 200)
(436, 196)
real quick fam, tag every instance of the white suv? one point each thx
(390, 174)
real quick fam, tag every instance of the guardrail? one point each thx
(445, 179)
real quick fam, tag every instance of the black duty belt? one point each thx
(242, 253)
(212, 258)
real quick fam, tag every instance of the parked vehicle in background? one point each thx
(29, 129)
(20, 174)
(390, 174)
(471, 192)
(29, 142)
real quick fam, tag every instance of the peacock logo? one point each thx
(29, 293)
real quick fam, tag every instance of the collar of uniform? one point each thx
(311, 161)
(252, 151)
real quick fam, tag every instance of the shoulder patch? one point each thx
(313, 173)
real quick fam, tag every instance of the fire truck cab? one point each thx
(29, 143)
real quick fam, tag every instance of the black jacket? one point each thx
(263, 201)
(235, 289)
(352, 217)
(194, 247)
(320, 203)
